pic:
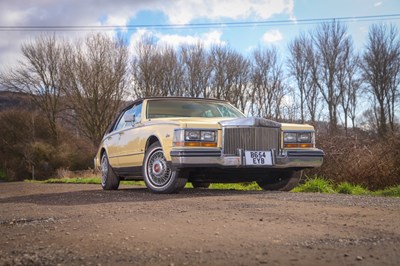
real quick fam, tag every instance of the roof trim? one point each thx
(181, 98)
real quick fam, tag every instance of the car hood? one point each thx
(198, 122)
(203, 122)
(296, 127)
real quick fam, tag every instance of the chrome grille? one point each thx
(250, 138)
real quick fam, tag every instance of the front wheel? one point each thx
(283, 181)
(158, 176)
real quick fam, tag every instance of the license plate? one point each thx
(258, 157)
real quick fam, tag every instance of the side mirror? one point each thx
(129, 118)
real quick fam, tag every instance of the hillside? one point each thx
(10, 100)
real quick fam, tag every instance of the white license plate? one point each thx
(258, 157)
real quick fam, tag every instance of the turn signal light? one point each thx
(298, 145)
(195, 144)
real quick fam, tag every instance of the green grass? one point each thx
(75, 180)
(3, 176)
(314, 184)
(388, 192)
(86, 180)
(321, 185)
(347, 188)
(96, 180)
(236, 186)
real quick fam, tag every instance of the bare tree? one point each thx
(171, 72)
(197, 70)
(381, 72)
(95, 78)
(146, 68)
(268, 87)
(349, 79)
(230, 76)
(299, 68)
(240, 91)
(38, 75)
(303, 67)
(332, 50)
(312, 93)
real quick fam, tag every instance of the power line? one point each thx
(241, 24)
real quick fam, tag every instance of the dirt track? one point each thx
(50, 224)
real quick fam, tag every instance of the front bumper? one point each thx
(187, 158)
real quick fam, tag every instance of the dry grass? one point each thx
(63, 173)
(369, 162)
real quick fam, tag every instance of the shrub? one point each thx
(360, 159)
(26, 145)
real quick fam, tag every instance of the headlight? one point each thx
(192, 135)
(289, 137)
(195, 137)
(304, 137)
(298, 139)
(207, 136)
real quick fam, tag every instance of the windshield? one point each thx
(190, 108)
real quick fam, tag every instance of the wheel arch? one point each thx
(98, 157)
(102, 151)
(152, 139)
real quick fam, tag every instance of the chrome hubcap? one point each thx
(157, 169)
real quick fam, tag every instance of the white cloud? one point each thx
(184, 11)
(207, 39)
(105, 12)
(272, 36)
(378, 3)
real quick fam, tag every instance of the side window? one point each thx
(135, 110)
(121, 122)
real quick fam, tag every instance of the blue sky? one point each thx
(163, 12)
(244, 39)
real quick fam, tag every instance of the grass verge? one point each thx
(321, 185)
(96, 180)
(3, 176)
(314, 185)
(85, 180)
(388, 192)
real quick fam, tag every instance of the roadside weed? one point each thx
(347, 188)
(315, 184)
(236, 186)
(388, 192)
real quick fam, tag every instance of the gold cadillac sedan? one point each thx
(168, 141)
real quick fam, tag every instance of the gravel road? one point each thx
(59, 224)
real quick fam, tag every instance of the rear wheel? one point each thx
(158, 176)
(283, 181)
(109, 180)
(200, 184)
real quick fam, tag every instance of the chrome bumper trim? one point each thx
(213, 158)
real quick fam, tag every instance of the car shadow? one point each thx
(98, 196)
